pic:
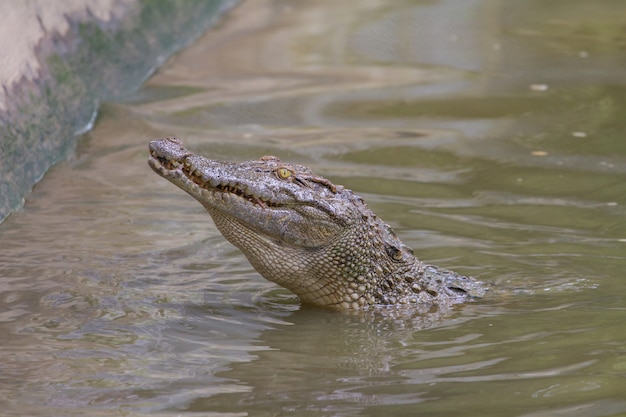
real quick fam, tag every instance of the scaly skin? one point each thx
(305, 233)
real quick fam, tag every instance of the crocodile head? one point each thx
(283, 205)
(296, 228)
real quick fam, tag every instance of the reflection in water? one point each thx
(118, 294)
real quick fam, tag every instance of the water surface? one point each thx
(488, 134)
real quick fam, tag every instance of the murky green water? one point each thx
(489, 134)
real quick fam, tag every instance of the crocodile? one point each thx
(305, 233)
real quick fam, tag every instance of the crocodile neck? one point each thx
(301, 231)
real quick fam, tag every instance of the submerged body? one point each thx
(305, 233)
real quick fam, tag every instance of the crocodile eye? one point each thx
(284, 173)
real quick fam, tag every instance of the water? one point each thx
(488, 134)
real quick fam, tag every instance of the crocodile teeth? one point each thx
(195, 177)
(165, 162)
(261, 203)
